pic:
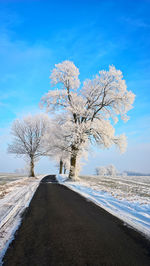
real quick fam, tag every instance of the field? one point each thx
(8, 177)
(132, 188)
(128, 197)
(7, 182)
(16, 191)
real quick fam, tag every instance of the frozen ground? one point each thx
(15, 195)
(7, 182)
(128, 197)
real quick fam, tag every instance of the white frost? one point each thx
(15, 198)
(127, 198)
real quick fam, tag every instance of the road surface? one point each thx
(60, 227)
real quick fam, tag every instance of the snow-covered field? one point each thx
(128, 198)
(15, 195)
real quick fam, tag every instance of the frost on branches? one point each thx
(90, 112)
(29, 134)
(56, 145)
(106, 170)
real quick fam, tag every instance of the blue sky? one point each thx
(35, 35)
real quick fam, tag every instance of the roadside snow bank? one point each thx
(18, 196)
(132, 213)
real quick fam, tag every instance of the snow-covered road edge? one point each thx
(12, 206)
(127, 218)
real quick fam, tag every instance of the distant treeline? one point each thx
(131, 173)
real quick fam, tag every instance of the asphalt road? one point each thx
(62, 228)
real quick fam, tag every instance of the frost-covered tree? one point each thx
(101, 170)
(23, 171)
(92, 110)
(107, 170)
(111, 170)
(57, 145)
(28, 139)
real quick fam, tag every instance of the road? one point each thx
(60, 227)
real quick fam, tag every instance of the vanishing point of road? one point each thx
(61, 228)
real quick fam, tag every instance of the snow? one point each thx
(15, 196)
(127, 198)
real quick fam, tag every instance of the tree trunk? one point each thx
(32, 167)
(60, 167)
(73, 163)
(72, 172)
(64, 170)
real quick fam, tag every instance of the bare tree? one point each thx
(28, 138)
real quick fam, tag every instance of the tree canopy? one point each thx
(29, 134)
(90, 111)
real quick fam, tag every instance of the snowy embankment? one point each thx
(127, 198)
(15, 196)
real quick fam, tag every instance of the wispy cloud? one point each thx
(23, 68)
(136, 22)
